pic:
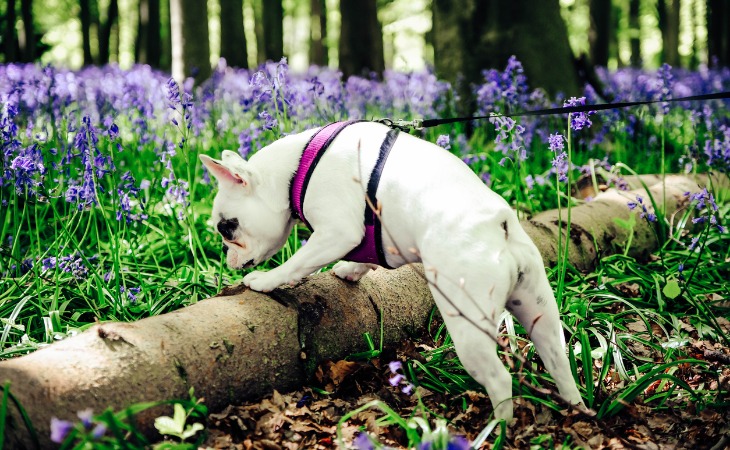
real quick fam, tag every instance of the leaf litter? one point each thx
(308, 418)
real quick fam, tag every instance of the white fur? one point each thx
(434, 209)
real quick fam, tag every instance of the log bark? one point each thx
(244, 344)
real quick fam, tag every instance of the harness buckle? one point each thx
(402, 125)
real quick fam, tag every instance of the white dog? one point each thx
(433, 208)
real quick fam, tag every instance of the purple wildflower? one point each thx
(396, 379)
(395, 366)
(510, 140)
(269, 122)
(131, 293)
(98, 431)
(444, 141)
(87, 417)
(60, 429)
(693, 243)
(580, 120)
(665, 74)
(556, 143)
(363, 442)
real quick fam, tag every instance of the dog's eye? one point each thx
(226, 227)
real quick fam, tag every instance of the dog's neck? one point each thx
(276, 165)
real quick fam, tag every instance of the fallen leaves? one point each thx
(308, 419)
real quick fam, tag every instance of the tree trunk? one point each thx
(29, 45)
(273, 28)
(85, 13)
(635, 33)
(10, 38)
(600, 31)
(361, 39)
(669, 26)
(190, 47)
(105, 32)
(473, 35)
(318, 33)
(148, 49)
(246, 344)
(718, 32)
(233, 37)
(166, 32)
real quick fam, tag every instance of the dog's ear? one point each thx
(227, 172)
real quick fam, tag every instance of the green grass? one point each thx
(125, 271)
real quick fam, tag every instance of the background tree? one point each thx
(85, 13)
(473, 35)
(318, 33)
(669, 25)
(718, 31)
(105, 32)
(635, 33)
(233, 37)
(273, 29)
(148, 43)
(190, 47)
(29, 49)
(599, 34)
(10, 37)
(361, 39)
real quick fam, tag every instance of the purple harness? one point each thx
(370, 249)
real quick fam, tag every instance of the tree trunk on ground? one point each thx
(473, 35)
(246, 344)
(10, 38)
(361, 39)
(148, 47)
(318, 33)
(190, 47)
(669, 26)
(718, 31)
(233, 37)
(635, 33)
(105, 33)
(600, 31)
(272, 13)
(29, 45)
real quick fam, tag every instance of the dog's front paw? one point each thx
(262, 281)
(350, 271)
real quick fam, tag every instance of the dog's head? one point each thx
(252, 226)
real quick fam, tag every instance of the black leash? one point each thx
(419, 124)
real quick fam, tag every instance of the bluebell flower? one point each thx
(396, 379)
(60, 429)
(269, 122)
(667, 80)
(363, 442)
(580, 120)
(87, 417)
(443, 141)
(98, 431)
(395, 366)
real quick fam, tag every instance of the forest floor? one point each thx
(306, 419)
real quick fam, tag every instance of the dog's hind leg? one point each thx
(533, 303)
(471, 319)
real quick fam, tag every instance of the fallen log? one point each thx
(244, 344)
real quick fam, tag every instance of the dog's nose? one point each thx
(226, 228)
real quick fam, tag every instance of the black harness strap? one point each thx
(370, 217)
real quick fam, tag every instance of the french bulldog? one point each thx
(433, 208)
